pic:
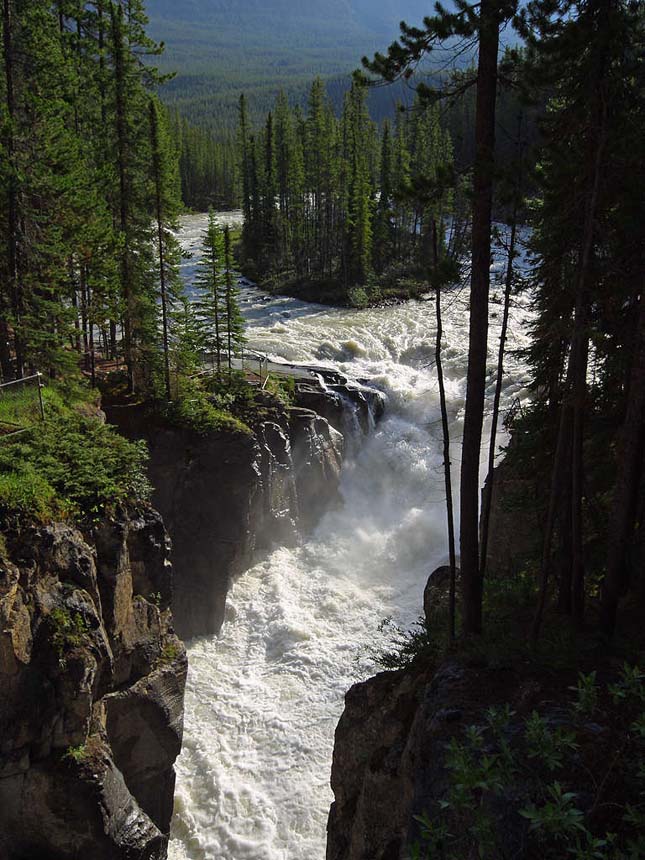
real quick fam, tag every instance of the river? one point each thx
(264, 697)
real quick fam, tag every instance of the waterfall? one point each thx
(264, 697)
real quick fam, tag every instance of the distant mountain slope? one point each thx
(220, 48)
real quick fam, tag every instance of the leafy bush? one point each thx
(68, 631)
(554, 785)
(76, 754)
(357, 297)
(169, 653)
(26, 494)
(194, 409)
(72, 466)
(282, 387)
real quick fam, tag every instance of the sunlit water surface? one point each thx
(264, 697)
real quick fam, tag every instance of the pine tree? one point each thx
(384, 228)
(43, 186)
(210, 288)
(167, 207)
(233, 319)
(358, 228)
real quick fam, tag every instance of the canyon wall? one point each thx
(225, 495)
(92, 678)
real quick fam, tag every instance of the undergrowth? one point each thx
(69, 466)
(68, 631)
(195, 408)
(568, 783)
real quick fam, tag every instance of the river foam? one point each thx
(264, 697)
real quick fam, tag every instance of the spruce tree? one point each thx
(233, 319)
(167, 206)
(210, 289)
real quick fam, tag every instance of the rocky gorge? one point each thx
(92, 671)
(225, 495)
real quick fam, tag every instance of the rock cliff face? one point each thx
(225, 495)
(390, 752)
(92, 678)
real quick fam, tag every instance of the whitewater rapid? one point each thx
(264, 697)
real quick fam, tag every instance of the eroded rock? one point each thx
(223, 495)
(78, 636)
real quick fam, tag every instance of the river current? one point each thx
(264, 696)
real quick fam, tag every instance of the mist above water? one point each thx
(264, 697)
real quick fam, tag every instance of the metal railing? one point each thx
(21, 404)
(249, 360)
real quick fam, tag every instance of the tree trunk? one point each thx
(446, 442)
(492, 448)
(471, 581)
(565, 551)
(629, 462)
(560, 478)
(580, 347)
(13, 276)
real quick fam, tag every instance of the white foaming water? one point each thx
(264, 697)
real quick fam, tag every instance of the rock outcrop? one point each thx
(514, 531)
(224, 495)
(92, 678)
(390, 752)
(350, 407)
(436, 592)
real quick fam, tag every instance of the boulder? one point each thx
(436, 590)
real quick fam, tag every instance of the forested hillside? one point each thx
(89, 259)
(220, 48)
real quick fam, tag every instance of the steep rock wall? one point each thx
(389, 764)
(92, 678)
(224, 495)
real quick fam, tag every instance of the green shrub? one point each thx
(26, 494)
(76, 754)
(282, 387)
(70, 465)
(357, 297)
(551, 779)
(69, 630)
(169, 653)
(194, 409)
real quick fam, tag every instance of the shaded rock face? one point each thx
(390, 751)
(318, 451)
(92, 678)
(208, 491)
(515, 531)
(437, 590)
(225, 495)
